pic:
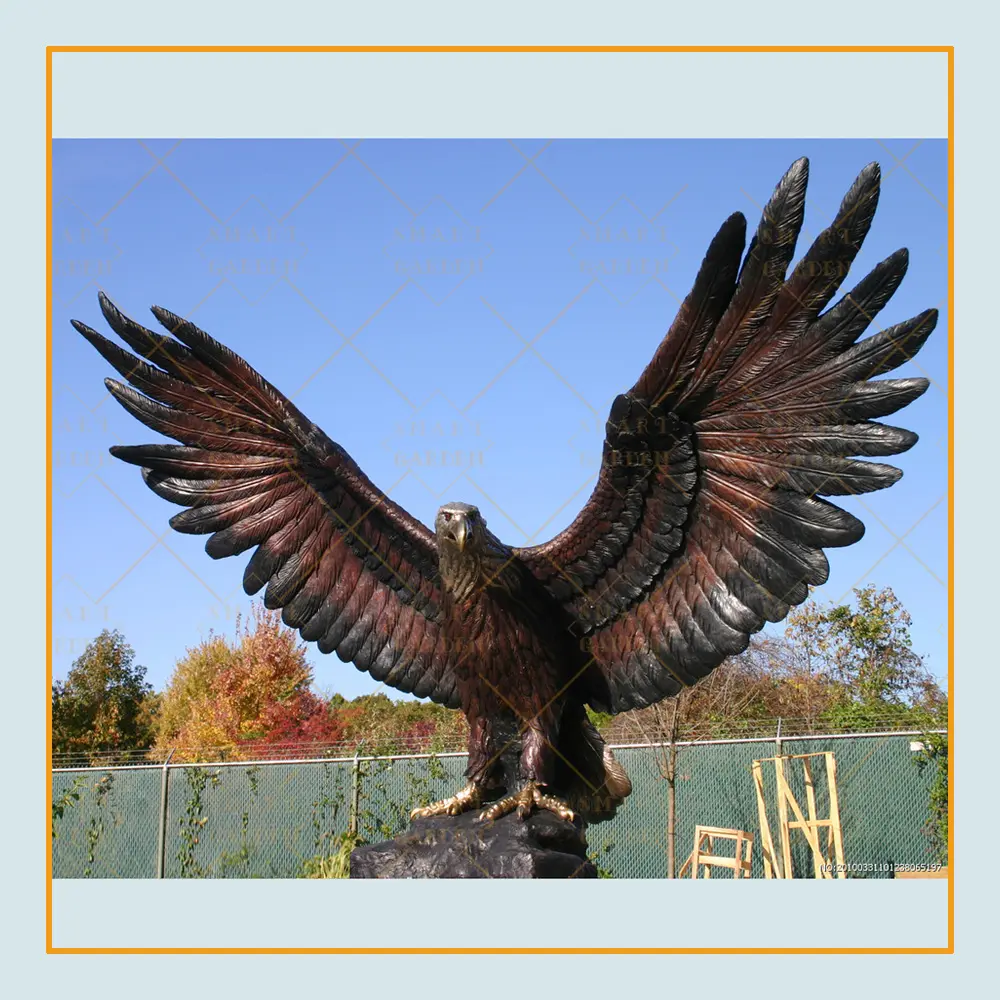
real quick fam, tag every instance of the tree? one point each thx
(735, 690)
(387, 726)
(185, 704)
(105, 704)
(767, 681)
(864, 655)
(243, 697)
(250, 695)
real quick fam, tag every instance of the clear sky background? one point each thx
(458, 315)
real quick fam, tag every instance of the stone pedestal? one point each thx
(541, 846)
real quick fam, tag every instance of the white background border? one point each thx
(499, 95)
(26, 28)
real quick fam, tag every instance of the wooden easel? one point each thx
(824, 861)
(702, 857)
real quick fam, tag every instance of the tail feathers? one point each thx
(598, 795)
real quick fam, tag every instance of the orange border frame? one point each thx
(945, 49)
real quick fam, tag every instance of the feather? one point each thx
(678, 354)
(811, 285)
(174, 392)
(760, 281)
(760, 438)
(191, 429)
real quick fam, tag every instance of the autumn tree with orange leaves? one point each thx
(236, 698)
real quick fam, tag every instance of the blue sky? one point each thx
(458, 315)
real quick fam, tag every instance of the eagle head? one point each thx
(459, 526)
(466, 550)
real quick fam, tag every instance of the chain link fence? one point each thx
(280, 818)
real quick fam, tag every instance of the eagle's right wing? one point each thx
(706, 521)
(350, 569)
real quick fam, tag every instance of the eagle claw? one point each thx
(524, 800)
(463, 800)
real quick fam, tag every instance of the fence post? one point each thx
(352, 819)
(161, 834)
(777, 739)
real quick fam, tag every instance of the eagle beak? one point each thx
(458, 532)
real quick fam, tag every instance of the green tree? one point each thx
(866, 653)
(104, 704)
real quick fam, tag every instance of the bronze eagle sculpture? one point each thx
(705, 522)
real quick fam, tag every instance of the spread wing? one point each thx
(349, 568)
(706, 520)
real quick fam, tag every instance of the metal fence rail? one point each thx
(273, 818)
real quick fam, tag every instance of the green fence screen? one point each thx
(271, 819)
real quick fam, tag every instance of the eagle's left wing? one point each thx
(350, 569)
(705, 521)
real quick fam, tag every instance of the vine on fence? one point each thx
(333, 851)
(231, 861)
(69, 797)
(380, 815)
(96, 829)
(322, 824)
(386, 815)
(934, 753)
(193, 822)
(596, 855)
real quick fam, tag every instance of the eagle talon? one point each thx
(463, 800)
(524, 801)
